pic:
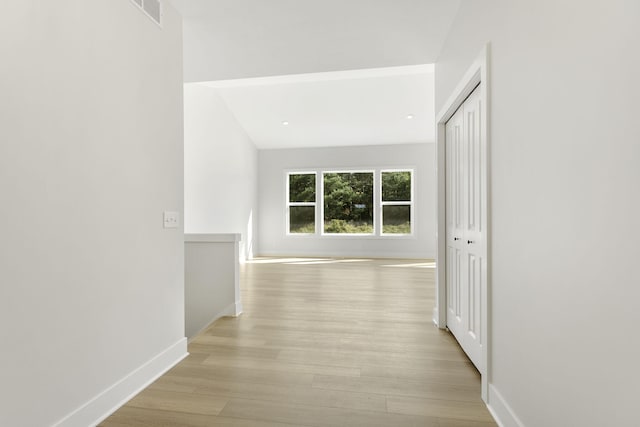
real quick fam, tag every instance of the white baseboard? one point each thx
(229, 310)
(238, 308)
(232, 310)
(100, 407)
(436, 317)
(501, 411)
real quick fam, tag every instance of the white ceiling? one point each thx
(365, 107)
(232, 39)
(341, 72)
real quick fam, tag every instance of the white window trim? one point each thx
(289, 204)
(377, 203)
(322, 232)
(409, 203)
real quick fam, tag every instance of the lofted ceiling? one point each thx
(364, 107)
(340, 72)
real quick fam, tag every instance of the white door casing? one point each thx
(463, 267)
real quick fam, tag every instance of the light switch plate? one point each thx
(171, 219)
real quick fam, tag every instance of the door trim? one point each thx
(476, 74)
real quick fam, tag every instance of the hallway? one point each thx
(322, 342)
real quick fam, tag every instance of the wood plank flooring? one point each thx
(322, 342)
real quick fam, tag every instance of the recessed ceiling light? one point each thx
(285, 123)
(409, 116)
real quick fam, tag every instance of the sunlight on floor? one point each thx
(429, 264)
(317, 261)
(304, 261)
(330, 261)
(281, 260)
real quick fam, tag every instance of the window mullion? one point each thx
(397, 203)
(377, 200)
(320, 202)
(302, 203)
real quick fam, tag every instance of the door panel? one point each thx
(456, 281)
(465, 163)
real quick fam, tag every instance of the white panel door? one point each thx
(455, 223)
(466, 202)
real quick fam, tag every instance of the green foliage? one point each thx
(308, 228)
(348, 197)
(396, 186)
(302, 219)
(404, 228)
(302, 187)
(348, 202)
(342, 226)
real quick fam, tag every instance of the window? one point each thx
(301, 203)
(348, 202)
(363, 202)
(396, 202)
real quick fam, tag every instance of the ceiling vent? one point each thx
(151, 8)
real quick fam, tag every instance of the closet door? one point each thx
(466, 260)
(456, 279)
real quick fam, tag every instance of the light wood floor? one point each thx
(340, 342)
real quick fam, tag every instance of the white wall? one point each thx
(211, 279)
(273, 165)
(221, 165)
(564, 156)
(232, 39)
(91, 285)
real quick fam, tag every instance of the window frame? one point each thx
(409, 203)
(374, 225)
(291, 204)
(377, 203)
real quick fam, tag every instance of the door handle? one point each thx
(469, 242)
(456, 238)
